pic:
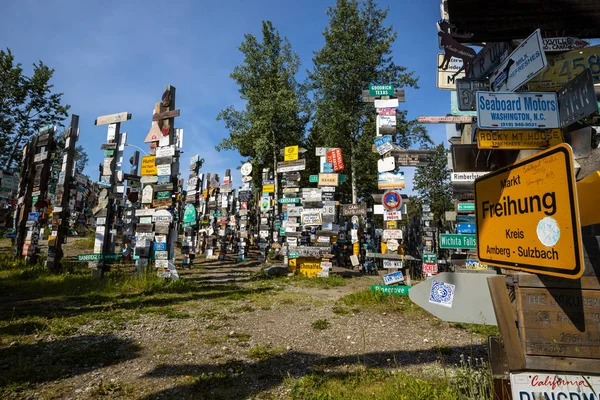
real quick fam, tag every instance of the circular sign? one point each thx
(246, 178)
(392, 200)
(392, 244)
(246, 169)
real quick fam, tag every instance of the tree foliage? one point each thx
(357, 52)
(26, 105)
(273, 116)
(433, 184)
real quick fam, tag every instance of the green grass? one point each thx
(479, 329)
(376, 300)
(264, 352)
(242, 309)
(469, 383)
(241, 337)
(85, 243)
(320, 324)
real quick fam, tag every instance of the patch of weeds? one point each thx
(177, 314)
(237, 296)
(85, 243)
(206, 383)
(479, 329)
(266, 308)
(340, 310)
(320, 324)
(370, 384)
(209, 314)
(264, 352)
(212, 327)
(111, 388)
(241, 309)
(62, 327)
(241, 337)
(388, 303)
(214, 340)
(166, 312)
(322, 283)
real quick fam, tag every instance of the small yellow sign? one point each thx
(268, 188)
(528, 216)
(391, 224)
(519, 139)
(290, 153)
(148, 166)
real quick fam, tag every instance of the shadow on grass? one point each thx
(238, 379)
(30, 364)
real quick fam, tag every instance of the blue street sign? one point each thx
(465, 228)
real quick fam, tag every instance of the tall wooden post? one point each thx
(24, 195)
(60, 220)
(191, 210)
(111, 181)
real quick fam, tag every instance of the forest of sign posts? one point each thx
(528, 216)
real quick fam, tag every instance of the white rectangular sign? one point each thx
(164, 169)
(465, 177)
(392, 264)
(521, 65)
(391, 103)
(165, 151)
(535, 385)
(392, 234)
(392, 215)
(507, 110)
(386, 120)
(446, 78)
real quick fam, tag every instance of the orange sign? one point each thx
(528, 216)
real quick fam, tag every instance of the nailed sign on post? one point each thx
(539, 223)
(354, 209)
(577, 99)
(517, 110)
(518, 139)
(148, 166)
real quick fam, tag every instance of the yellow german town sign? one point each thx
(518, 139)
(528, 216)
(148, 166)
(290, 153)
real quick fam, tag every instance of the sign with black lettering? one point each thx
(577, 99)
(528, 216)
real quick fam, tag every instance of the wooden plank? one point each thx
(506, 322)
(165, 115)
(112, 118)
(532, 280)
(559, 322)
(581, 365)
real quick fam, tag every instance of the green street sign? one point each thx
(397, 290)
(97, 257)
(288, 200)
(293, 254)
(466, 207)
(381, 90)
(163, 195)
(109, 153)
(282, 231)
(218, 214)
(277, 225)
(342, 178)
(452, 241)
(430, 258)
(188, 224)
(34, 199)
(313, 179)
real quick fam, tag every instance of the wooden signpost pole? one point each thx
(42, 163)
(191, 211)
(109, 180)
(24, 195)
(61, 213)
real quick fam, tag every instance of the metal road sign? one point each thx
(290, 153)
(397, 290)
(466, 89)
(488, 58)
(523, 64)
(289, 166)
(577, 99)
(518, 139)
(430, 258)
(470, 301)
(507, 110)
(381, 90)
(97, 257)
(452, 241)
(528, 216)
(564, 67)
(446, 78)
(466, 207)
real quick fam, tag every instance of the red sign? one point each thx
(244, 205)
(386, 111)
(335, 157)
(430, 269)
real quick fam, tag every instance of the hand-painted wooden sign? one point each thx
(453, 48)
(112, 118)
(165, 115)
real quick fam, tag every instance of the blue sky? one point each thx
(113, 56)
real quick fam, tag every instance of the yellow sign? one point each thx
(290, 153)
(518, 139)
(268, 188)
(148, 166)
(391, 224)
(528, 216)
(566, 66)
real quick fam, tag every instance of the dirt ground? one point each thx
(234, 330)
